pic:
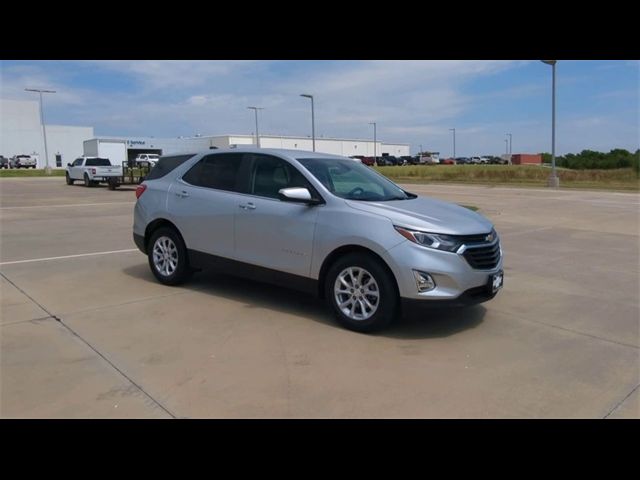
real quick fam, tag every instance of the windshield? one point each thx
(353, 180)
(98, 162)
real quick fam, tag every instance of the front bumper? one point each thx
(456, 281)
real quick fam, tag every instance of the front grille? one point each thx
(485, 257)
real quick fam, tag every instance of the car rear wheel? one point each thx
(168, 257)
(69, 179)
(361, 293)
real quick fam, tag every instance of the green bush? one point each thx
(590, 160)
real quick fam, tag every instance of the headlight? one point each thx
(437, 241)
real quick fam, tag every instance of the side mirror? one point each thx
(296, 194)
(68, 164)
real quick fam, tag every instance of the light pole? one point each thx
(554, 181)
(47, 168)
(375, 157)
(255, 109)
(454, 142)
(420, 150)
(313, 121)
(510, 143)
(506, 146)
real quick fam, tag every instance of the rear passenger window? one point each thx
(166, 165)
(216, 171)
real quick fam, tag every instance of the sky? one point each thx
(414, 102)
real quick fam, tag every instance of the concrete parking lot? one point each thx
(87, 332)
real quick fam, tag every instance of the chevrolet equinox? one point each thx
(315, 222)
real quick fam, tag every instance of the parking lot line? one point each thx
(68, 256)
(69, 205)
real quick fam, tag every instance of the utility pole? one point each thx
(255, 109)
(375, 156)
(47, 168)
(454, 142)
(313, 122)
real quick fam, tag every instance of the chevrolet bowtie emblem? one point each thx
(489, 237)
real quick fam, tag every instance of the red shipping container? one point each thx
(526, 159)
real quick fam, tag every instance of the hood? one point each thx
(428, 214)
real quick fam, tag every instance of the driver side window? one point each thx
(78, 162)
(269, 175)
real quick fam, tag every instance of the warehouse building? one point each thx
(127, 148)
(22, 133)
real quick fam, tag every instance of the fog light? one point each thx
(424, 282)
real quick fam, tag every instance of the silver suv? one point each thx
(315, 222)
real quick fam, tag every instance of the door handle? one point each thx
(182, 194)
(248, 206)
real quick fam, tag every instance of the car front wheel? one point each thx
(361, 292)
(69, 179)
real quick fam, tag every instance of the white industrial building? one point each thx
(22, 133)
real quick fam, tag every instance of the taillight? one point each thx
(93, 171)
(140, 190)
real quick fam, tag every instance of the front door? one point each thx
(269, 232)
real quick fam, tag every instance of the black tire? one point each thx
(69, 179)
(182, 271)
(387, 306)
(87, 182)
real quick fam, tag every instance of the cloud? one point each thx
(412, 101)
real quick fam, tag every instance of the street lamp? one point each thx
(553, 181)
(375, 157)
(506, 146)
(313, 122)
(454, 142)
(510, 143)
(47, 168)
(255, 109)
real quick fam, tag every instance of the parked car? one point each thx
(388, 160)
(369, 161)
(493, 160)
(4, 162)
(475, 160)
(447, 161)
(407, 160)
(325, 224)
(23, 161)
(93, 170)
(462, 160)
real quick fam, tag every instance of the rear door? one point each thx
(269, 232)
(203, 203)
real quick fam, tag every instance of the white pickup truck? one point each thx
(147, 159)
(93, 170)
(24, 161)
